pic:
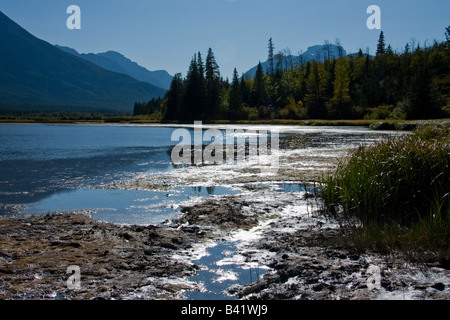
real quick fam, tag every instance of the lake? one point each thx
(57, 167)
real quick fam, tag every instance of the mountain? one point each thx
(318, 53)
(35, 75)
(114, 61)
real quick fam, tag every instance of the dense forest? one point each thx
(412, 84)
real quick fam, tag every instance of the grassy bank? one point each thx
(396, 193)
(102, 118)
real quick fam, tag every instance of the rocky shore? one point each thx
(114, 260)
(311, 262)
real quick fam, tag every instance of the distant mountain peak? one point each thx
(117, 62)
(316, 52)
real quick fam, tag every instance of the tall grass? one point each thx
(399, 187)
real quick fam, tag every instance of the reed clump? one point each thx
(398, 190)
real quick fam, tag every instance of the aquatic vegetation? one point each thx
(399, 187)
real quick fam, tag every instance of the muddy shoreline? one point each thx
(143, 262)
(114, 261)
(155, 262)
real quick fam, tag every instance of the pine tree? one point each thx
(381, 46)
(273, 73)
(201, 67)
(389, 50)
(173, 99)
(259, 87)
(235, 96)
(360, 53)
(245, 90)
(447, 35)
(270, 60)
(192, 106)
(370, 84)
(407, 48)
(213, 87)
(136, 110)
(202, 83)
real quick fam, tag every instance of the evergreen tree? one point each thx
(173, 108)
(137, 109)
(381, 46)
(245, 90)
(389, 50)
(360, 53)
(370, 84)
(201, 67)
(259, 87)
(329, 66)
(235, 97)
(147, 108)
(447, 35)
(407, 48)
(213, 85)
(202, 83)
(271, 61)
(192, 105)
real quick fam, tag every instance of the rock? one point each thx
(6, 271)
(153, 235)
(178, 241)
(148, 252)
(439, 286)
(169, 246)
(319, 287)
(311, 281)
(126, 236)
(386, 284)
(354, 256)
(4, 255)
(233, 289)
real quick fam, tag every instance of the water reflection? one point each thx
(221, 268)
(122, 206)
(209, 190)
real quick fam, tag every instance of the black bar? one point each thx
(168, 310)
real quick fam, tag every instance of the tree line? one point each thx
(148, 108)
(411, 84)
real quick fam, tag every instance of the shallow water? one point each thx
(220, 269)
(124, 206)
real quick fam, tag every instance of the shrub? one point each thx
(380, 113)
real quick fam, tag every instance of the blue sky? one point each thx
(164, 34)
